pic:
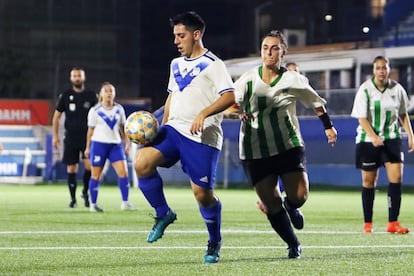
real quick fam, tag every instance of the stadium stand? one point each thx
(23, 159)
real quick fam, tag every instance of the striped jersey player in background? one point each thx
(380, 106)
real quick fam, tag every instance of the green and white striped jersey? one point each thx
(274, 127)
(381, 108)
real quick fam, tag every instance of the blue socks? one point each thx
(93, 190)
(152, 188)
(123, 185)
(212, 218)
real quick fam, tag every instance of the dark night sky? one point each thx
(130, 42)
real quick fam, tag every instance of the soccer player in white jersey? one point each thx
(271, 144)
(381, 106)
(106, 140)
(199, 88)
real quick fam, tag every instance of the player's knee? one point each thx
(297, 201)
(205, 198)
(142, 169)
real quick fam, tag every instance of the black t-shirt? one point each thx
(76, 107)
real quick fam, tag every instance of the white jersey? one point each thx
(274, 127)
(106, 123)
(381, 108)
(195, 84)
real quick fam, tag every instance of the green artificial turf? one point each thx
(40, 235)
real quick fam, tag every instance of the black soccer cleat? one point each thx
(85, 199)
(295, 252)
(72, 203)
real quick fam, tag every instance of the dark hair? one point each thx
(191, 20)
(381, 58)
(77, 68)
(278, 34)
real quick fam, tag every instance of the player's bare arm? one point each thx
(88, 141)
(55, 125)
(405, 121)
(166, 109)
(377, 141)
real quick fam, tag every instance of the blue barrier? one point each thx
(325, 164)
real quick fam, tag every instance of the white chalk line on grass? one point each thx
(181, 232)
(195, 247)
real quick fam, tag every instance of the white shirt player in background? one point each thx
(270, 142)
(106, 140)
(200, 88)
(380, 106)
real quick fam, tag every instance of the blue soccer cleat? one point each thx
(295, 215)
(160, 224)
(212, 253)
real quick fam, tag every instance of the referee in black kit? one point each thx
(75, 103)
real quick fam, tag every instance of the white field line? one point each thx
(196, 247)
(182, 232)
(185, 232)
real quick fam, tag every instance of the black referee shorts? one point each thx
(73, 150)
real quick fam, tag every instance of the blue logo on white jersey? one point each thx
(184, 81)
(110, 121)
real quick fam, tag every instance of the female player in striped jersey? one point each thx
(271, 144)
(380, 106)
(104, 141)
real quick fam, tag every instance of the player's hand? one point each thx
(244, 117)
(410, 145)
(198, 124)
(86, 152)
(127, 146)
(55, 142)
(332, 135)
(377, 141)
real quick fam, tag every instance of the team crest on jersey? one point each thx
(195, 71)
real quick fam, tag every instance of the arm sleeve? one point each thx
(221, 77)
(404, 101)
(305, 93)
(359, 109)
(92, 117)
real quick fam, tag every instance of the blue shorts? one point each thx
(198, 161)
(101, 151)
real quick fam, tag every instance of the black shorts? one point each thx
(368, 157)
(289, 161)
(73, 149)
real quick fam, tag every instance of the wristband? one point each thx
(326, 121)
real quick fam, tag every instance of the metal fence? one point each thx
(340, 102)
